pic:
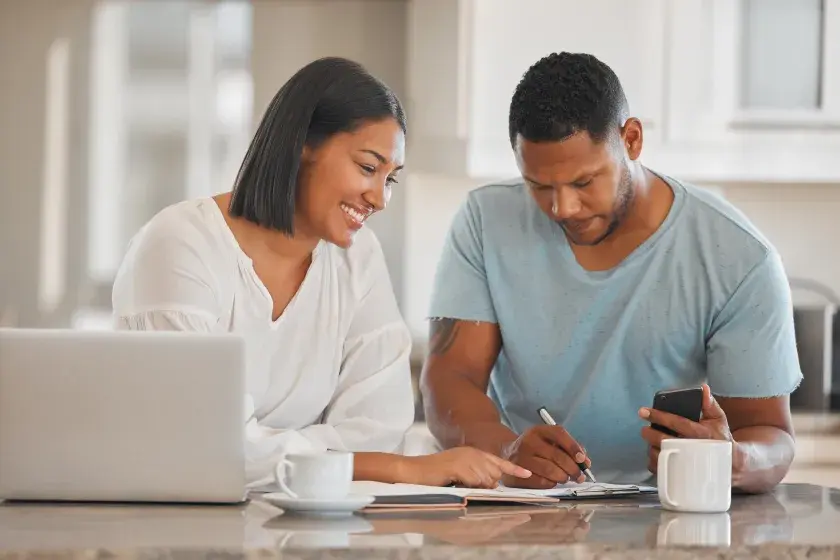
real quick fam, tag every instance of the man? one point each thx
(592, 283)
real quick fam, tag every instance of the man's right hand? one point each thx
(550, 453)
(455, 378)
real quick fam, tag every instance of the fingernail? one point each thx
(579, 458)
(526, 473)
(644, 413)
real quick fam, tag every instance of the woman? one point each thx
(285, 260)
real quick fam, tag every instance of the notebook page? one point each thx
(386, 489)
(569, 489)
(369, 488)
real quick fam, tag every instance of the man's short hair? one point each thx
(566, 93)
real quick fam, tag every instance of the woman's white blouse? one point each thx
(331, 373)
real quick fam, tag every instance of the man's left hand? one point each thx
(712, 425)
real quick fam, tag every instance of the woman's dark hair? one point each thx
(325, 97)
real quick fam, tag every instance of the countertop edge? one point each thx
(579, 551)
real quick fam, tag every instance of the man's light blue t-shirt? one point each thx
(705, 298)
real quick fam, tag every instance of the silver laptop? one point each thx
(122, 416)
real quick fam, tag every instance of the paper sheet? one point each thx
(384, 489)
(570, 488)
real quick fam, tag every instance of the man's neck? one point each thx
(652, 200)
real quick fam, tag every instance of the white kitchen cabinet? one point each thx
(466, 57)
(754, 91)
(728, 90)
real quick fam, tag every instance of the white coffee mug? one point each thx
(695, 475)
(320, 476)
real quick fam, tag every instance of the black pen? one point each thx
(546, 417)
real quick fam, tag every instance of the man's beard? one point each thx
(623, 201)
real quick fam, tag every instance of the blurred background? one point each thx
(111, 110)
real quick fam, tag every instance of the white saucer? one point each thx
(322, 508)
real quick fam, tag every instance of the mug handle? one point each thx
(662, 472)
(283, 465)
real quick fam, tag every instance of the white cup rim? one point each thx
(306, 460)
(689, 442)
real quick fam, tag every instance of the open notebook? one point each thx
(409, 496)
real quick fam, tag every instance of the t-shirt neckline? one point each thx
(247, 264)
(634, 257)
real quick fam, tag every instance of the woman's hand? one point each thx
(462, 466)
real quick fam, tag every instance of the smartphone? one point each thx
(687, 403)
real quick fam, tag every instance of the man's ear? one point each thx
(632, 137)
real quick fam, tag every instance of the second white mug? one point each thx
(695, 475)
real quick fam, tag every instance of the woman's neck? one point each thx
(296, 248)
(257, 241)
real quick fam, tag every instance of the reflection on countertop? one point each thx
(795, 519)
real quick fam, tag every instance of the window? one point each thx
(170, 115)
(782, 44)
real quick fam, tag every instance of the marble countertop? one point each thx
(796, 521)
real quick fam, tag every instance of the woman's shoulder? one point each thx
(186, 226)
(185, 235)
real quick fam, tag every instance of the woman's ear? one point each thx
(306, 155)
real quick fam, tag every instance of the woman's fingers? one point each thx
(478, 468)
(494, 468)
(511, 469)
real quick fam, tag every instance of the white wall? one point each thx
(628, 36)
(43, 110)
(432, 201)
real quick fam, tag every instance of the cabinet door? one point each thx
(753, 90)
(746, 64)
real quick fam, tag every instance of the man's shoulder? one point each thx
(498, 213)
(501, 206)
(713, 219)
(719, 242)
(497, 195)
